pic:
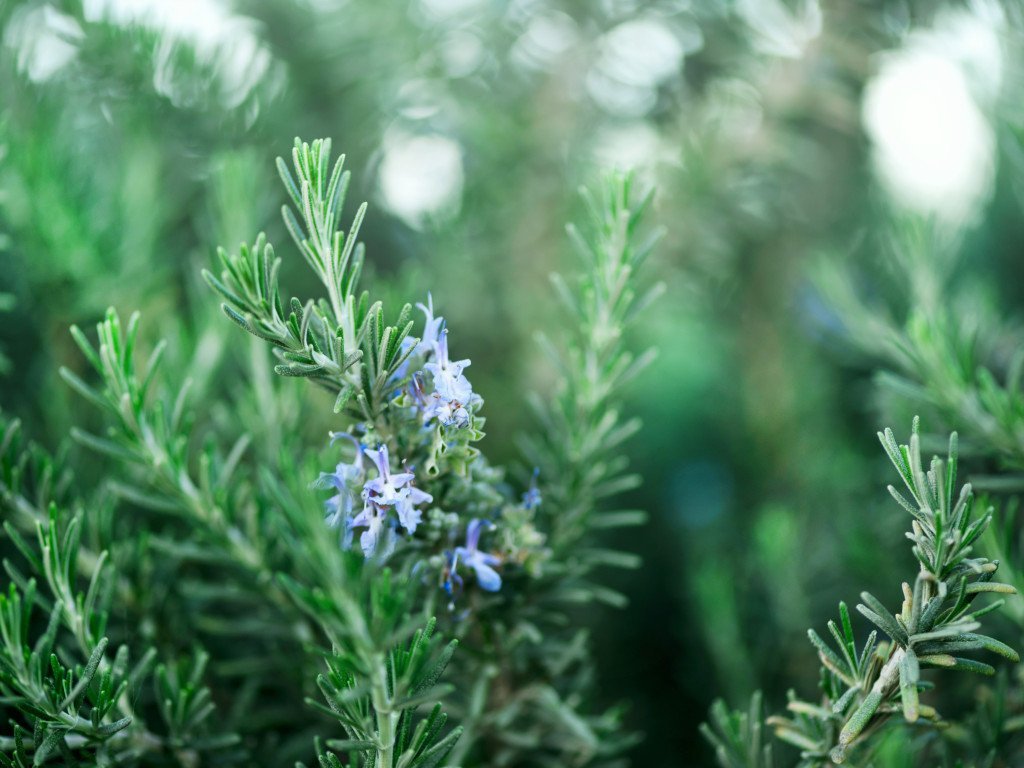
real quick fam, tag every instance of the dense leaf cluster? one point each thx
(208, 565)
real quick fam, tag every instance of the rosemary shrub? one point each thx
(389, 598)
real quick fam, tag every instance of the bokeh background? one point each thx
(801, 150)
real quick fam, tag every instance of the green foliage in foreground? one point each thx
(198, 609)
(864, 688)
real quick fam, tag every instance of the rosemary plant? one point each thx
(954, 353)
(76, 696)
(865, 687)
(403, 610)
(951, 351)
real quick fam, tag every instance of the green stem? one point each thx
(386, 716)
(375, 661)
(337, 305)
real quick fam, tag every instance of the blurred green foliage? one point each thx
(132, 141)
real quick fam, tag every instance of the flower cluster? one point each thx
(453, 395)
(386, 491)
(384, 502)
(452, 400)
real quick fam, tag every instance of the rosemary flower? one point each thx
(345, 479)
(532, 498)
(453, 394)
(481, 562)
(387, 490)
(433, 328)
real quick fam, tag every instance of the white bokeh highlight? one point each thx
(634, 59)
(778, 30)
(421, 177)
(219, 37)
(933, 146)
(46, 40)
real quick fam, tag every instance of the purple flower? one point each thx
(449, 382)
(344, 479)
(432, 328)
(374, 519)
(388, 490)
(482, 563)
(532, 497)
(450, 413)
(385, 491)
(453, 394)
